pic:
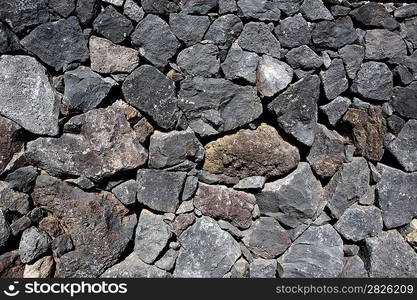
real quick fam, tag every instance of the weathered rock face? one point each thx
(404, 145)
(374, 15)
(334, 34)
(368, 130)
(160, 190)
(293, 200)
(153, 93)
(240, 64)
(396, 196)
(388, 255)
(10, 142)
(251, 152)
(328, 152)
(97, 223)
(58, 44)
(200, 60)
(213, 105)
(382, 44)
(404, 100)
(273, 76)
(107, 57)
(206, 234)
(296, 109)
(318, 252)
(266, 238)
(112, 25)
(224, 203)
(347, 185)
(189, 28)
(27, 96)
(96, 144)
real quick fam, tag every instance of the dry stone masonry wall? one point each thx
(208, 138)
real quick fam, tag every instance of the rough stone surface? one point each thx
(263, 268)
(389, 256)
(58, 44)
(272, 76)
(381, 44)
(206, 234)
(160, 190)
(293, 200)
(296, 109)
(107, 57)
(374, 81)
(224, 203)
(347, 185)
(153, 93)
(334, 79)
(126, 192)
(26, 95)
(403, 147)
(314, 10)
(34, 244)
(368, 130)
(155, 40)
(396, 196)
(240, 64)
(352, 56)
(374, 15)
(152, 235)
(10, 142)
(251, 152)
(334, 34)
(200, 60)
(216, 105)
(257, 37)
(42, 268)
(335, 109)
(404, 100)
(96, 144)
(359, 222)
(303, 57)
(267, 238)
(189, 28)
(293, 32)
(112, 25)
(318, 252)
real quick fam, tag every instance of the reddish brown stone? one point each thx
(368, 130)
(225, 203)
(10, 265)
(260, 152)
(182, 222)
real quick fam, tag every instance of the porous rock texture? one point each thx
(208, 138)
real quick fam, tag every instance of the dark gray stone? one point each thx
(20, 225)
(303, 57)
(354, 268)
(112, 25)
(327, 153)
(160, 190)
(198, 6)
(152, 235)
(389, 256)
(190, 186)
(240, 64)
(155, 40)
(382, 44)
(9, 42)
(85, 90)
(22, 179)
(267, 238)
(200, 60)
(188, 28)
(258, 37)
(160, 7)
(404, 100)
(352, 56)
(58, 44)
(404, 145)
(317, 253)
(98, 224)
(347, 185)
(5, 230)
(23, 14)
(13, 201)
(406, 11)
(373, 81)
(10, 142)
(409, 29)
(153, 93)
(296, 109)
(167, 262)
(374, 15)
(61, 244)
(126, 192)
(217, 105)
(336, 109)
(263, 268)
(334, 79)
(334, 34)
(314, 10)
(263, 10)
(294, 199)
(133, 267)
(133, 11)
(293, 32)
(192, 260)
(87, 10)
(33, 107)
(179, 150)
(34, 244)
(359, 222)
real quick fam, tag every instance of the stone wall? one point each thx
(208, 138)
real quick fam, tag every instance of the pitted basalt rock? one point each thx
(251, 152)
